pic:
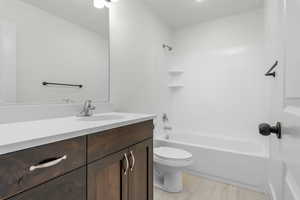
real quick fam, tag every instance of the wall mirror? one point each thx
(53, 51)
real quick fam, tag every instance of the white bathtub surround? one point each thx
(168, 166)
(239, 162)
(225, 92)
(22, 135)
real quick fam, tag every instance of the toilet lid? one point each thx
(172, 153)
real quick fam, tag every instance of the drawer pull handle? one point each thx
(48, 164)
(127, 164)
(133, 160)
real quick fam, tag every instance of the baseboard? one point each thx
(227, 181)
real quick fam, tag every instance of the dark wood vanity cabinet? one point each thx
(116, 164)
(126, 175)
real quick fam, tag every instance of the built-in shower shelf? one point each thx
(175, 76)
(174, 86)
(175, 72)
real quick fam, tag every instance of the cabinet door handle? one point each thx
(133, 160)
(127, 164)
(48, 164)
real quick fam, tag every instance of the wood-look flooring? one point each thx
(198, 188)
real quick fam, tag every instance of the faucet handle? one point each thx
(90, 105)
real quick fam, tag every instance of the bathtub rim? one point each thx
(263, 154)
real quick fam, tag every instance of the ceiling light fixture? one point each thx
(104, 3)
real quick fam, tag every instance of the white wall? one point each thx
(55, 50)
(138, 61)
(8, 65)
(225, 90)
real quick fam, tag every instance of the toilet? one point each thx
(168, 166)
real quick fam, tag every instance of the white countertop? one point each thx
(23, 135)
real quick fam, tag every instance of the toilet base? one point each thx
(169, 163)
(170, 181)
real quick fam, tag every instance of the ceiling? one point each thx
(181, 13)
(80, 12)
(176, 13)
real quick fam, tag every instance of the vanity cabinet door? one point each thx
(71, 186)
(108, 178)
(141, 171)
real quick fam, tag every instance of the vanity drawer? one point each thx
(110, 141)
(24, 169)
(68, 187)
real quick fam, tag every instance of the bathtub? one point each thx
(230, 160)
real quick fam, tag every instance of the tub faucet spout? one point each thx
(168, 128)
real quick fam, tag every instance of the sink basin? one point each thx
(102, 118)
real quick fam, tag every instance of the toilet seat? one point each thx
(171, 153)
(172, 157)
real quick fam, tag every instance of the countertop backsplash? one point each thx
(19, 113)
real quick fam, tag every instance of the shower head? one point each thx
(168, 47)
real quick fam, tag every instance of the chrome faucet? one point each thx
(165, 120)
(88, 108)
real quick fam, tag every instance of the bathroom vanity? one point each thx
(107, 159)
(101, 157)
